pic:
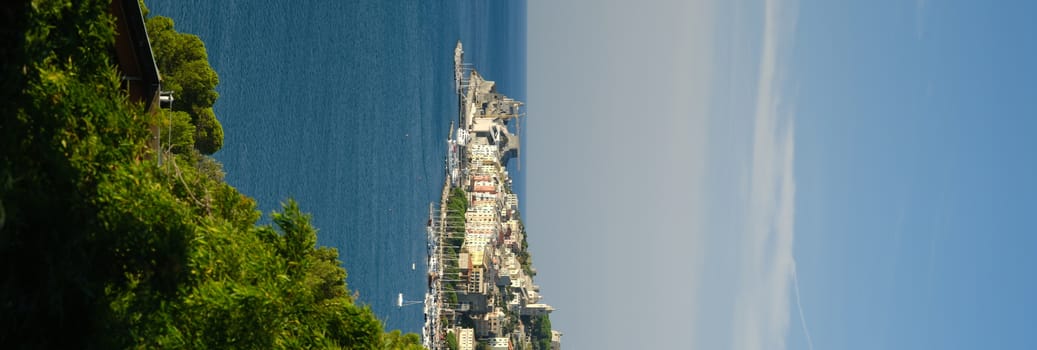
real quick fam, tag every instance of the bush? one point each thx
(100, 247)
(208, 132)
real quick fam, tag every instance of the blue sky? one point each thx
(915, 172)
(695, 166)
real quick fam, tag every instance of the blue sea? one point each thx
(345, 106)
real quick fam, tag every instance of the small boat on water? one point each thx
(401, 303)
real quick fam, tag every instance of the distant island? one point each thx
(117, 229)
(481, 293)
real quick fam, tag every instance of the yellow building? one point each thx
(465, 338)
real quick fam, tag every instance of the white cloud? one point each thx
(767, 270)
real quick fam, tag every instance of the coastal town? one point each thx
(481, 293)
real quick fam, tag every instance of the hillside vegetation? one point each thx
(102, 247)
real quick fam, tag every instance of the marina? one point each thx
(480, 279)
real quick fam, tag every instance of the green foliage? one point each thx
(100, 247)
(143, 8)
(541, 332)
(184, 64)
(525, 259)
(178, 132)
(299, 238)
(457, 205)
(451, 297)
(451, 341)
(261, 288)
(397, 341)
(83, 219)
(208, 132)
(185, 68)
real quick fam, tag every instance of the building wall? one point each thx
(497, 343)
(465, 338)
(537, 309)
(475, 281)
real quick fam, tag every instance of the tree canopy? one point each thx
(102, 247)
(185, 68)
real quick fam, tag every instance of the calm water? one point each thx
(345, 107)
